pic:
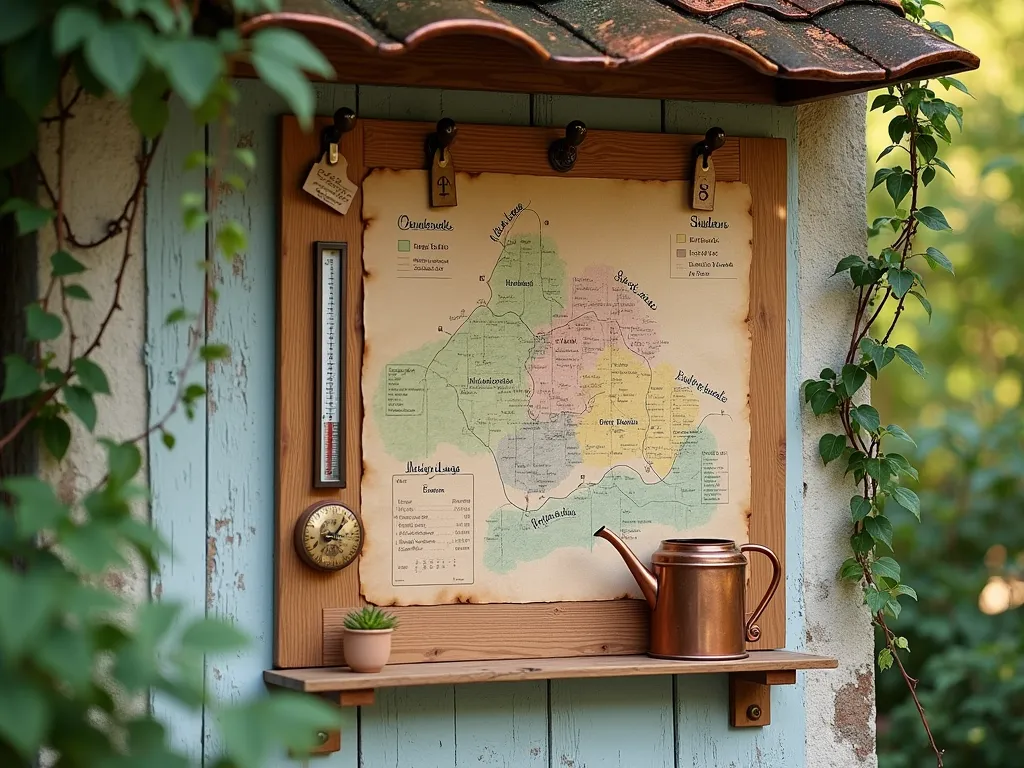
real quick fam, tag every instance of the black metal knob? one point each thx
(714, 139)
(563, 152)
(445, 133)
(344, 120)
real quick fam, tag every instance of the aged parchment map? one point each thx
(550, 356)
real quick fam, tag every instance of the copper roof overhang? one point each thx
(813, 49)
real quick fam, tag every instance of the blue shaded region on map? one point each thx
(621, 500)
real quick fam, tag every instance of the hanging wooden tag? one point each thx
(329, 183)
(442, 180)
(704, 183)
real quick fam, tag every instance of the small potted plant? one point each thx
(368, 638)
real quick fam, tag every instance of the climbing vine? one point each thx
(883, 284)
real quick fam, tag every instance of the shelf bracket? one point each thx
(330, 741)
(750, 696)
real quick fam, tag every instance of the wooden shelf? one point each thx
(750, 679)
(337, 679)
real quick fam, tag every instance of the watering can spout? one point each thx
(648, 584)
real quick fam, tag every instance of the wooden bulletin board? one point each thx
(309, 605)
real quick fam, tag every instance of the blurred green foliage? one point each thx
(966, 558)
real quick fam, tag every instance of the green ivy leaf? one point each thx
(901, 281)
(866, 417)
(851, 570)
(853, 378)
(928, 175)
(824, 401)
(876, 599)
(27, 215)
(80, 401)
(74, 291)
(952, 82)
(149, 109)
(212, 636)
(861, 542)
(31, 72)
(907, 499)
(168, 439)
(24, 715)
(909, 356)
(903, 589)
(37, 507)
(885, 101)
(938, 260)
(63, 264)
(41, 325)
(860, 508)
(879, 354)
(91, 376)
(924, 303)
(209, 353)
(898, 185)
(123, 462)
(881, 175)
(56, 436)
(932, 218)
(68, 656)
(278, 57)
(899, 433)
(880, 529)
(927, 147)
(114, 54)
(900, 465)
(20, 378)
(93, 546)
(884, 658)
(887, 568)
(831, 447)
(19, 17)
(192, 65)
(899, 126)
(231, 239)
(902, 643)
(72, 27)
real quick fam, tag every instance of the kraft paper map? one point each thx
(552, 355)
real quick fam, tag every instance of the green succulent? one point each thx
(370, 617)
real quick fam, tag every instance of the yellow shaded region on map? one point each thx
(633, 410)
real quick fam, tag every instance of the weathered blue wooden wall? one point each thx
(214, 494)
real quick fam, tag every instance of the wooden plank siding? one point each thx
(215, 493)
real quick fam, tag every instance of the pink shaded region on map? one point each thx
(600, 313)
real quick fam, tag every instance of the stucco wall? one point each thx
(101, 150)
(839, 706)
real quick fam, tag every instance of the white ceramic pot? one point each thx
(367, 650)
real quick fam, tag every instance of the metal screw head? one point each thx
(322, 736)
(753, 712)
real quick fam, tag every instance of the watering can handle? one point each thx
(752, 630)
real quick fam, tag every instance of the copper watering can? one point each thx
(696, 595)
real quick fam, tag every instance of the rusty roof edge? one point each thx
(955, 53)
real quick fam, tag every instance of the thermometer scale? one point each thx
(329, 470)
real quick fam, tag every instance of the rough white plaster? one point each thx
(101, 148)
(839, 705)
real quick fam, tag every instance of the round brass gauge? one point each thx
(328, 536)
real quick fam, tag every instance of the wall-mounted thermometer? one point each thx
(329, 452)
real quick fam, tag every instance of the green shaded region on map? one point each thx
(621, 500)
(472, 389)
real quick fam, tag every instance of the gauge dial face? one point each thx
(328, 536)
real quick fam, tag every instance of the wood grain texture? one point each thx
(301, 592)
(501, 66)
(178, 509)
(611, 154)
(460, 632)
(763, 168)
(409, 728)
(240, 391)
(325, 679)
(744, 695)
(502, 149)
(501, 724)
(625, 722)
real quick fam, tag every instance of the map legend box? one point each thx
(432, 515)
(404, 246)
(714, 477)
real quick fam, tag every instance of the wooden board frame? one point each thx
(310, 606)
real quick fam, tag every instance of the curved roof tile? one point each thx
(854, 44)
